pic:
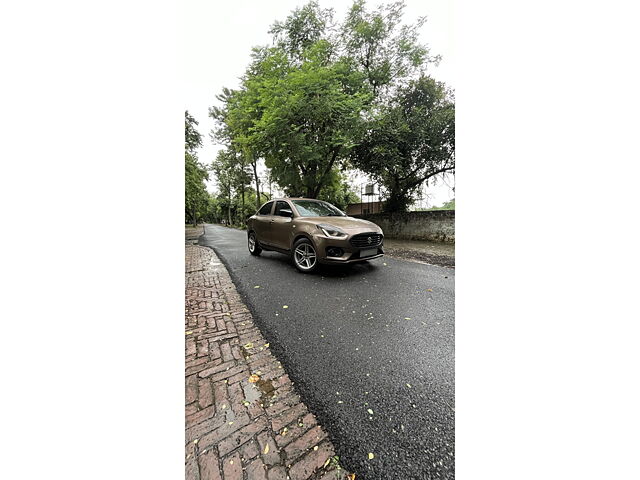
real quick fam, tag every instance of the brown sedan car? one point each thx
(312, 232)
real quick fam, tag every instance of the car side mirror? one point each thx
(285, 212)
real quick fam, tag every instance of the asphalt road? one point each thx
(353, 338)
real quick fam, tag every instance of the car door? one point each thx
(281, 222)
(262, 223)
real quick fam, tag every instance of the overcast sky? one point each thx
(218, 37)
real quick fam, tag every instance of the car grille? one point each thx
(362, 240)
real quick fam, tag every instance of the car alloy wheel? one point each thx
(304, 256)
(254, 248)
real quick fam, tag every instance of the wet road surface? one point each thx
(357, 338)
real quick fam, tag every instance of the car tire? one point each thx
(253, 244)
(304, 256)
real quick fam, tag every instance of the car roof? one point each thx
(297, 198)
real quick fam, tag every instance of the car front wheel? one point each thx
(254, 246)
(304, 256)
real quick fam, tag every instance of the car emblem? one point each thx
(369, 240)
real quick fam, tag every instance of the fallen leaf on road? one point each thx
(285, 306)
(429, 290)
(327, 462)
(351, 476)
(266, 449)
(257, 286)
(189, 332)
(340, 401)
(371, 455)
(315, 448)
(384, 263)
(407, 318)
(254, 378)
(248, 345)
(266, 345)
(370, 411)
(408, 385)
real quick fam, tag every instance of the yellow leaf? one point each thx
(285, 306)
(371, 455)
(266, 345)
(248, 345)
(254, 378)
(370, 411)
(266, 449)
(257, 286)
(315, 448)
(189, 332)
(429, 290)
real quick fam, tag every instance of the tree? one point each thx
(195, 191)
(409, 141)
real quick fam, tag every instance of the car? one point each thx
(312, 232)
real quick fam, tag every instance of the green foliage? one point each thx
(381, 47)
(450, 205)
(196, 196)
(339, 193)
(409, 141)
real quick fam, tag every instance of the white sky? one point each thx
(218, 37)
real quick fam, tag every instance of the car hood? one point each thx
(348, 224)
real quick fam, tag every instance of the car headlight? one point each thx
(331, 231)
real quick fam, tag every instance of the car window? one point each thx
(266, 209)
(279, 206)
(311, 208)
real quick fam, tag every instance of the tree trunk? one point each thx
(195, 221)
(241, 222)
(255, 174)
(229, 208)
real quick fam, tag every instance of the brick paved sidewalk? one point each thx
(244, 419)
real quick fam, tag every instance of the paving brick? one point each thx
(205, 393)
(232, 467)
(268, 449)
(311, 462)
(191, 390)
(306, 442)
(200, 416)
(209, 466)
(256, 470)
(277, 473)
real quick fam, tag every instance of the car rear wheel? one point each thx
(304, 256)
(254, 246)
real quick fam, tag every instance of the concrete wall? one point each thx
(434, 225)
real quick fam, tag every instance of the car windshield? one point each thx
(310, 208)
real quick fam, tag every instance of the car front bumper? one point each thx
(350, 254)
